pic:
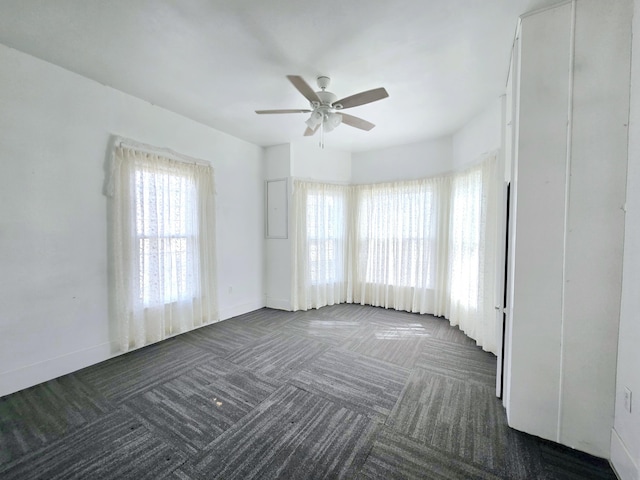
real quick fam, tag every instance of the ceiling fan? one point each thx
(326, 109)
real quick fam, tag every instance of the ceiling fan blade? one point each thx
(310, 131)
(283, 111)
(356, 122)
(304, 88)
(362, 98)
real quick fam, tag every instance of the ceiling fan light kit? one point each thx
(326, 108)
(315, 119)
(331, 121)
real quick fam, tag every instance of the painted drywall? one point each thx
(404, 162)
(509, 152)
(573, 106)
(309, 161)
(539, 223)
(481, 135)
(595, 222)
(625, 438)
(54, 133)
(278, 250)
(304, 161)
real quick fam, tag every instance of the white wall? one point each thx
(278, 250)
(509, 128)
(308, 161)
(404, 162)
(54, 131)
(595, 222)
(305, 161)
(571, 167)
(536, 313)
(625, 438)
(481, 135)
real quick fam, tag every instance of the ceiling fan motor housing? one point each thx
(326, 98)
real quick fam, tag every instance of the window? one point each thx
(320, 244)
(397, 235)
(162, 237)
(426, 246)
(166, 234)
(325, 236)
(464, 248)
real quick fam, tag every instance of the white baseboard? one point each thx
(235, 310)
(279, 304)
(621, 460)
(30, 375)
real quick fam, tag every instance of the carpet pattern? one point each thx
(366, 384)
(396, 457)
(347, 391)
(293, 434)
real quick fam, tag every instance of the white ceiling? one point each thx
(216, 61)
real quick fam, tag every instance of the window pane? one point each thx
(397, 235)
(325, 217)
(465, 238)
(166, 229)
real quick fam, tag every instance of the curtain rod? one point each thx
(127, 142)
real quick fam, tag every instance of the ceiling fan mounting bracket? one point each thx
(323, 82)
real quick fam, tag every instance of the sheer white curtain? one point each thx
(472, 253)
(163, 248)
(401, 257)
(424, 246)
(320, 218)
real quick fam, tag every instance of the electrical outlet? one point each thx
(627, 399)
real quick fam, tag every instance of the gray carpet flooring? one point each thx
(348, 391)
